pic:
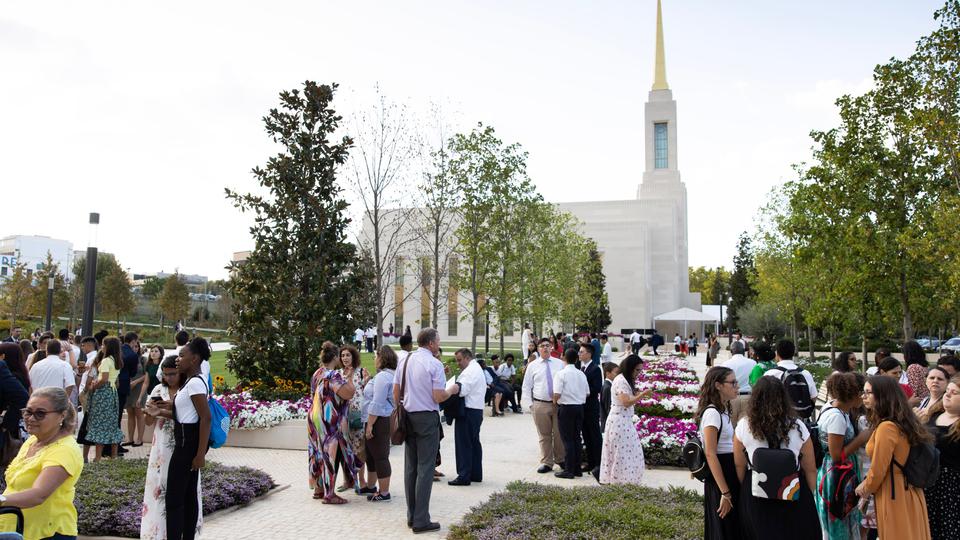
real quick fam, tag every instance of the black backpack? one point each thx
(921, 469)
(694, 456)
(798, 389)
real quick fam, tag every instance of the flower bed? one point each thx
(664, 418)
(246, 412)
(110, 493)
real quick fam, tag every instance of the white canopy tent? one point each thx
(686, 315)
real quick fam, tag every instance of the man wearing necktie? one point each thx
(591, 409)
(538, 396)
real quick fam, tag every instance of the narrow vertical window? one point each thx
(398, 297)
(660, 145)
(425, 284)
(453, 315)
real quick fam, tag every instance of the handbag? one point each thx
(354, 420)
(398, 418)
(839, 495)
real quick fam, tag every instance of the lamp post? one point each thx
(50, 282)
(90, 279)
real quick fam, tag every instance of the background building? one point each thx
(32, 251)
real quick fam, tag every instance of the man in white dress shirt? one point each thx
(606, 355)
(741, 366)
(570, 391)
(53, 370)
(471, 386)
(787, 371)
(538, 396)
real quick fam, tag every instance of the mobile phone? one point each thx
(156, 398)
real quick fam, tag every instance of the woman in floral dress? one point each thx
(350, 357)
(103, 427)
(153, 525)
(327, 426)
(621, 461)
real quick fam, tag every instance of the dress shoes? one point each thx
(430, 527)
(458, 482)
(544, 469)
(564, 474)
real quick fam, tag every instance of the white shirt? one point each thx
(834, 422)
(741, 366)
(186, 412)
(91, 356)
(676, 340)
(711, 417)
(788, 365)
(535, 379)
(795, 439)
(871, 371)
(473, 386)
(607, 354)
(506, 371)
(635, 337)
(52, 371)
(487, 377)
(370, 333)
(525, 341)
(572, 386)
(358, 335)
(205, 372)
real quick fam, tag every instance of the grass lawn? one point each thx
(536, 511)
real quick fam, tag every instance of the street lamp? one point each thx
(90, 285)
(50, 282)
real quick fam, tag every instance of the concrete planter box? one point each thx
(289, 435)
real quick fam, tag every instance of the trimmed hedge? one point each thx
(110, 493)
(536, 511)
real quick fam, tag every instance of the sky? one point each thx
(146, 111)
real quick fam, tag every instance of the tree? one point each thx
(594, 314)
(106, 265)
(16, 290)
(37, 300)
(174, 300)
(293, 292)
(764, 320)
(116, 296)
(741, 281)
(379, 165)
(436, 222)
(713, 284)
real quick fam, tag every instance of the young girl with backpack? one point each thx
(721, 488)
(774, 460)
(840, 471)
(901, 510)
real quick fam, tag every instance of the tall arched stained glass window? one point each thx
(660, 145)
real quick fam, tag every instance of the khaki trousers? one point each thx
(551, 445)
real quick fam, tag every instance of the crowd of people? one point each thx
(62, 395)
(787, 459)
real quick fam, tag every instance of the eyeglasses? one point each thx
(38, 414)
(733, 382)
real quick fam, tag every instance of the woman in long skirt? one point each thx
(327, 426)
(721, 521)
(153, 525)
(103, 425)
(621, 460)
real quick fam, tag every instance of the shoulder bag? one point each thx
(398, 418)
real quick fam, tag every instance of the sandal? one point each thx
(317, 495)
(334, 500)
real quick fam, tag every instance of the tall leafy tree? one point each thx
(741, 281)
(294, 290)
(593, 302)
(117, 297)
(174, 299)
(37, 301)
(15, 292)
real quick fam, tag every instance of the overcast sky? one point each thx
(145, 111)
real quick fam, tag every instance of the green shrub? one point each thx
(536, 511)
(110, 493)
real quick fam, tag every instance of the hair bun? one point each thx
(200, 347)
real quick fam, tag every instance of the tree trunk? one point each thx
(501, 342)
(810, 341)
(865, 353)
(905, 305)
(833, 344)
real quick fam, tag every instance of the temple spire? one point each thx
(660, 69)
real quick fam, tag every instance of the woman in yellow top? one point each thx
(901, 510)
(41, 480)
(103, 408)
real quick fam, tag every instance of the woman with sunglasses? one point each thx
(41, 480)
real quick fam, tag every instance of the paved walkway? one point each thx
(511, 452)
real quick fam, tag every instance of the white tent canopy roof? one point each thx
(685, 314)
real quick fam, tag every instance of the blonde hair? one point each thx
(58, 399)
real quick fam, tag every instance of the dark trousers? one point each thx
(181, 496)
(378, 449)
(420, 455)
(569, 420)
(369, 344)
(591, 431)
(122, 399)
(635, 348)
(466, 436)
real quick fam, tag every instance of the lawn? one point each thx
(536, 511)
